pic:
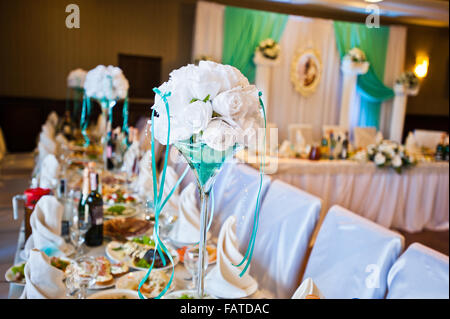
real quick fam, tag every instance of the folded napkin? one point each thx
(143, 185)
(52, 119)
(223, 280)
(169, 182)
(187, 228)
(307, 290)
(49, 172)
(45, 223)
(43, 281)
(130, 156)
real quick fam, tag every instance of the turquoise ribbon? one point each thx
(125, 120)
(84, 121)
(249, 253)
(159, 203)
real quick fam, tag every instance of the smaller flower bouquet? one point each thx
(76, 78)
(409, 81)
(269, 49)
(356, 55)
(387, 154)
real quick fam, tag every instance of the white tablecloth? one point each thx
(414, 200)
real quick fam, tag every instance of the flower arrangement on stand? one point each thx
(207, 112)
(356, 55)
(387, 154)
(269, 49)
(409, 81)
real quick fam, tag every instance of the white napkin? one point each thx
(187, 228)
(170, 181)
(307, 288)
(43, 281)
(130, 156)
(45, 223)
(223, 280)
(49, 172)
(143, 185)
(52, 119)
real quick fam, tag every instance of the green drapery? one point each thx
(244, 29)
(374, 42)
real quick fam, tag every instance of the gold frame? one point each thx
(299, 87)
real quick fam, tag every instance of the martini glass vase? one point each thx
(206, 164)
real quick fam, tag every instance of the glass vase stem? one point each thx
(202, 245)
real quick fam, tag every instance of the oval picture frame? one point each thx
(306, 71)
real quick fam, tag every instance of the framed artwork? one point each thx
(306, 71)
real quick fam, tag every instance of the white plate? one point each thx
(121, 257)
(133, 279)
(100, 287)
(177, 294)
(106, 216)
(115, 294)
(9, 276)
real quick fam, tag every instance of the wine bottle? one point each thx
(324, 148)
(344, 151)
(82, 217)
(332, 145)
(94, 203)
(440, 149)
(110, 150)
(61, 195)
(446, 149)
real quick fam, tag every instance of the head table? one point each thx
(413, 200)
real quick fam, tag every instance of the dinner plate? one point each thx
(121, 257)
(115, 294)
(189, 293)
(101, 287)
(133, 279)
(9, 276)
(133, 211)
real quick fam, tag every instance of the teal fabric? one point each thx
(374, 42)
(244, 29)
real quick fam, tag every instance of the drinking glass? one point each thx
(191, 262)
(78, 229)
(87, 269)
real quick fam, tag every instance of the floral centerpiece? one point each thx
(355, 62)
(356, 55)
(207, 112)
(107, 85)
(409, 82)
(76, 78)
(269, 49)
(387, 154)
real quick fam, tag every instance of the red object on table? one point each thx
(32, 196)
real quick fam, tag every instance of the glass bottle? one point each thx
(94, 203)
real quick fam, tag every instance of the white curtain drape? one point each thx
(395, 61)
(287, 105)
(208, 31)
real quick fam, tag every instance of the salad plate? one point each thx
(115, 294)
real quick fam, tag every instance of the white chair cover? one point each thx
(352, 256)
(287, 220)
(427, 138)
(235, 193)
(419, 273)
(305, 129)
(364, 136)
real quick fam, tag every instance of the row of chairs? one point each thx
(352, 257)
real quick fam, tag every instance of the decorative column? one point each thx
(263, 75)
(399, 110)
(350, 70)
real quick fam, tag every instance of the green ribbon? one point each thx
(249, 253)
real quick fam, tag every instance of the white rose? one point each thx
(230, 77)
(361, 156)
(397, 161)
(76, 78)
(106, 82)
(237, 102)
(197, 115)
(371, 149)
(219, 135)
(179, 129)
(380, 159)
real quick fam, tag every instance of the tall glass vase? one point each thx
(107, 107)
(206, 164)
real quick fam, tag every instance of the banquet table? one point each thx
(180, 276)
(414, 200)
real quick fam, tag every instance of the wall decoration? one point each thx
(306, 70)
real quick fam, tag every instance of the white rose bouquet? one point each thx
(76, 78)
(356, 55)
(106, 83)
(387, 154)
(210, 103)
(269, 49)
(409, 81)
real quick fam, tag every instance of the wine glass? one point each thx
(78, 229)
(87, 269)
(191, 262)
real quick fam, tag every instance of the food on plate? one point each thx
(152, 287)
(115, 294)
(212, 253)
(104, 276)
(119, 210)
(312, 297)
(59, 263)
(18, 272)
(186, 296)
(116, 195)
(120, 228)
(119, 269)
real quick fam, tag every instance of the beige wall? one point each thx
(433, 96)
(38, 51)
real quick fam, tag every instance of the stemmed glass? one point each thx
(84, 273)
(191, 262)
(78, 229)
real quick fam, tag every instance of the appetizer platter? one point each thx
(108, 273)
(117, 211)
(137, 253)
(153, 286)
(122, 228)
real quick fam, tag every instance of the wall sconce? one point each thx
(421, 67)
